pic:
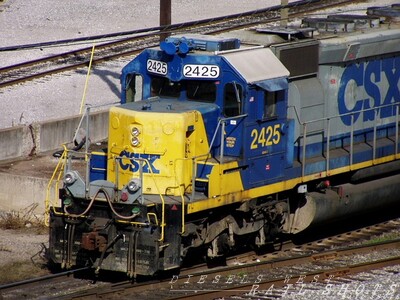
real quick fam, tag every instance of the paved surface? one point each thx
(39, 166)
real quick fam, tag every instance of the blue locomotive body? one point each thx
(221, 141)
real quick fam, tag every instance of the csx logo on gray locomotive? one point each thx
(367, 75)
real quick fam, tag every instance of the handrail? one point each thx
(376, 110)
(162, 225)
(64, 159)
(194, 172)
(183, 211)
(58, 169)
(342, 115)
(222, 132)
(221, 122)
(181, 192)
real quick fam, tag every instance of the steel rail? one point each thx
(5, 287)
(150, 33)
(174, 284)
(306, 253)
(326, 273)
(253, 289)
(291, 5)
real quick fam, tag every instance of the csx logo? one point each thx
(370, 76)
(133, 160)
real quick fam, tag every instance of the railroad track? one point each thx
(255, 279)
(322, 257)
(133, 42)
(275, 278)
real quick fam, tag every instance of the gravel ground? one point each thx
(17, 245)
(382, 284)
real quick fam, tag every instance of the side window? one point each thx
(232, 99)
(134, 84)
(270, 100)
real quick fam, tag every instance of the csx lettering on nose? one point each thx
(133, 161)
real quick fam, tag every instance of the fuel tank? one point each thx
(345, 202)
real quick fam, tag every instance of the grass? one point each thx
(383, 238)
(23, 221)
(21, 270)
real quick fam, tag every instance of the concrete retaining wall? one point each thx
(23, 141)
(19, 192)
(15, 142)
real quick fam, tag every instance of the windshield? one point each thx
(194, 90)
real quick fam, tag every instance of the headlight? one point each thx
(135, 131)
(133, 185)
(135, 142)
(69, 178)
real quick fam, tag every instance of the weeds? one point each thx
(386, 237)
(21, 271)
(27, 222)
(24, 219)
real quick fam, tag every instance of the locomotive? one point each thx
(225, 141)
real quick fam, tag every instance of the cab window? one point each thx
(163, 87)
(232, 99)
(270, 99)
(134, 84)
(272, 107)
(204, 91)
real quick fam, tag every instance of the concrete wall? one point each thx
(22, 192)
(15, 142)
(19, 193)
(23, 141)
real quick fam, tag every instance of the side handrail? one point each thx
(329, 119)
(58, 169)
(221, 123)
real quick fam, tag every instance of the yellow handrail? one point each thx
(162, 225)
(183, 211)
(59, 168)
(87, 80)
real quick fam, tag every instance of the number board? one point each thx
(201, 71)
(157, 67)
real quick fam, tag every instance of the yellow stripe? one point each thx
(279, 186)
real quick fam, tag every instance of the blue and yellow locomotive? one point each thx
(227, 141)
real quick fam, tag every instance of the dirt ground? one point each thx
(22, 245)
(23, 254)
